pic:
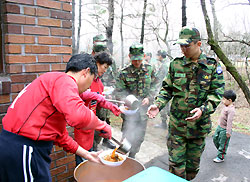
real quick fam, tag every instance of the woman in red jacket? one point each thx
(95, 100)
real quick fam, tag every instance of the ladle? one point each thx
(124, 145)
(130, 101)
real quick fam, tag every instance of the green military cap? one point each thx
(162, 53)
(136, 51)
(99, 38)
(99, 46)
(188, 35)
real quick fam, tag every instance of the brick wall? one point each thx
(36, 38)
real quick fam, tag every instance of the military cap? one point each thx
(188, 35)
(99, 46)
(136, 51)
(162, 53)
(99, 38)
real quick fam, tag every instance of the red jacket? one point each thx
(44, 107)
(85, 138)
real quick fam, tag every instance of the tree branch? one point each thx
(215, 46)
(235, 40)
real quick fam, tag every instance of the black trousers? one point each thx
(23, 159)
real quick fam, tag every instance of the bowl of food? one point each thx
(109, 159)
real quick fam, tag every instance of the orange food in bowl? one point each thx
(117, 158)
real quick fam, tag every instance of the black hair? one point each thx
(103, 57)
(82, 61)
(229, 94)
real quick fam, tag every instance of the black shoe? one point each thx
(162, 126)
(108, 143)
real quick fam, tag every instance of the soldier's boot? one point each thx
(107, 143)
(190, 175)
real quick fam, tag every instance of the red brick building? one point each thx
(35, 38)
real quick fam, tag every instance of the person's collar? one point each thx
(142, 67)
(201, 60)
(71, 76)
(97, 78)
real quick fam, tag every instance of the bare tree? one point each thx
(217, 49)
(73, 27)
(109, 28)
(230, 39)
(121, 32)
(143, 21)
(216, 23)
(162, 26)
(79, 26)
(246, 67)
(184, 16)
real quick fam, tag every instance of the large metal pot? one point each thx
(130, 101)
(94, 172)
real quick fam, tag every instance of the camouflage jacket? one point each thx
(192, 85)
(109, 77)
(140, 82)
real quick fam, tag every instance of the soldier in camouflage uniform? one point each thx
(196, 84)
(161, 72)
(139, 80)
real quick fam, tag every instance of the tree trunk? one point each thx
(143, 21)
(73, 28)
(121, 34)
(109, 29)
(215, 46)
(247, 72)
(184, 16)
(79, 26)
(216, 23)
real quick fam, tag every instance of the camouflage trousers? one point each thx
(104, 115)
(134, 129)
(184, 155)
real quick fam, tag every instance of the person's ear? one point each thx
(199, 43)
(129, 55)
(144, 56)
(85, 72)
